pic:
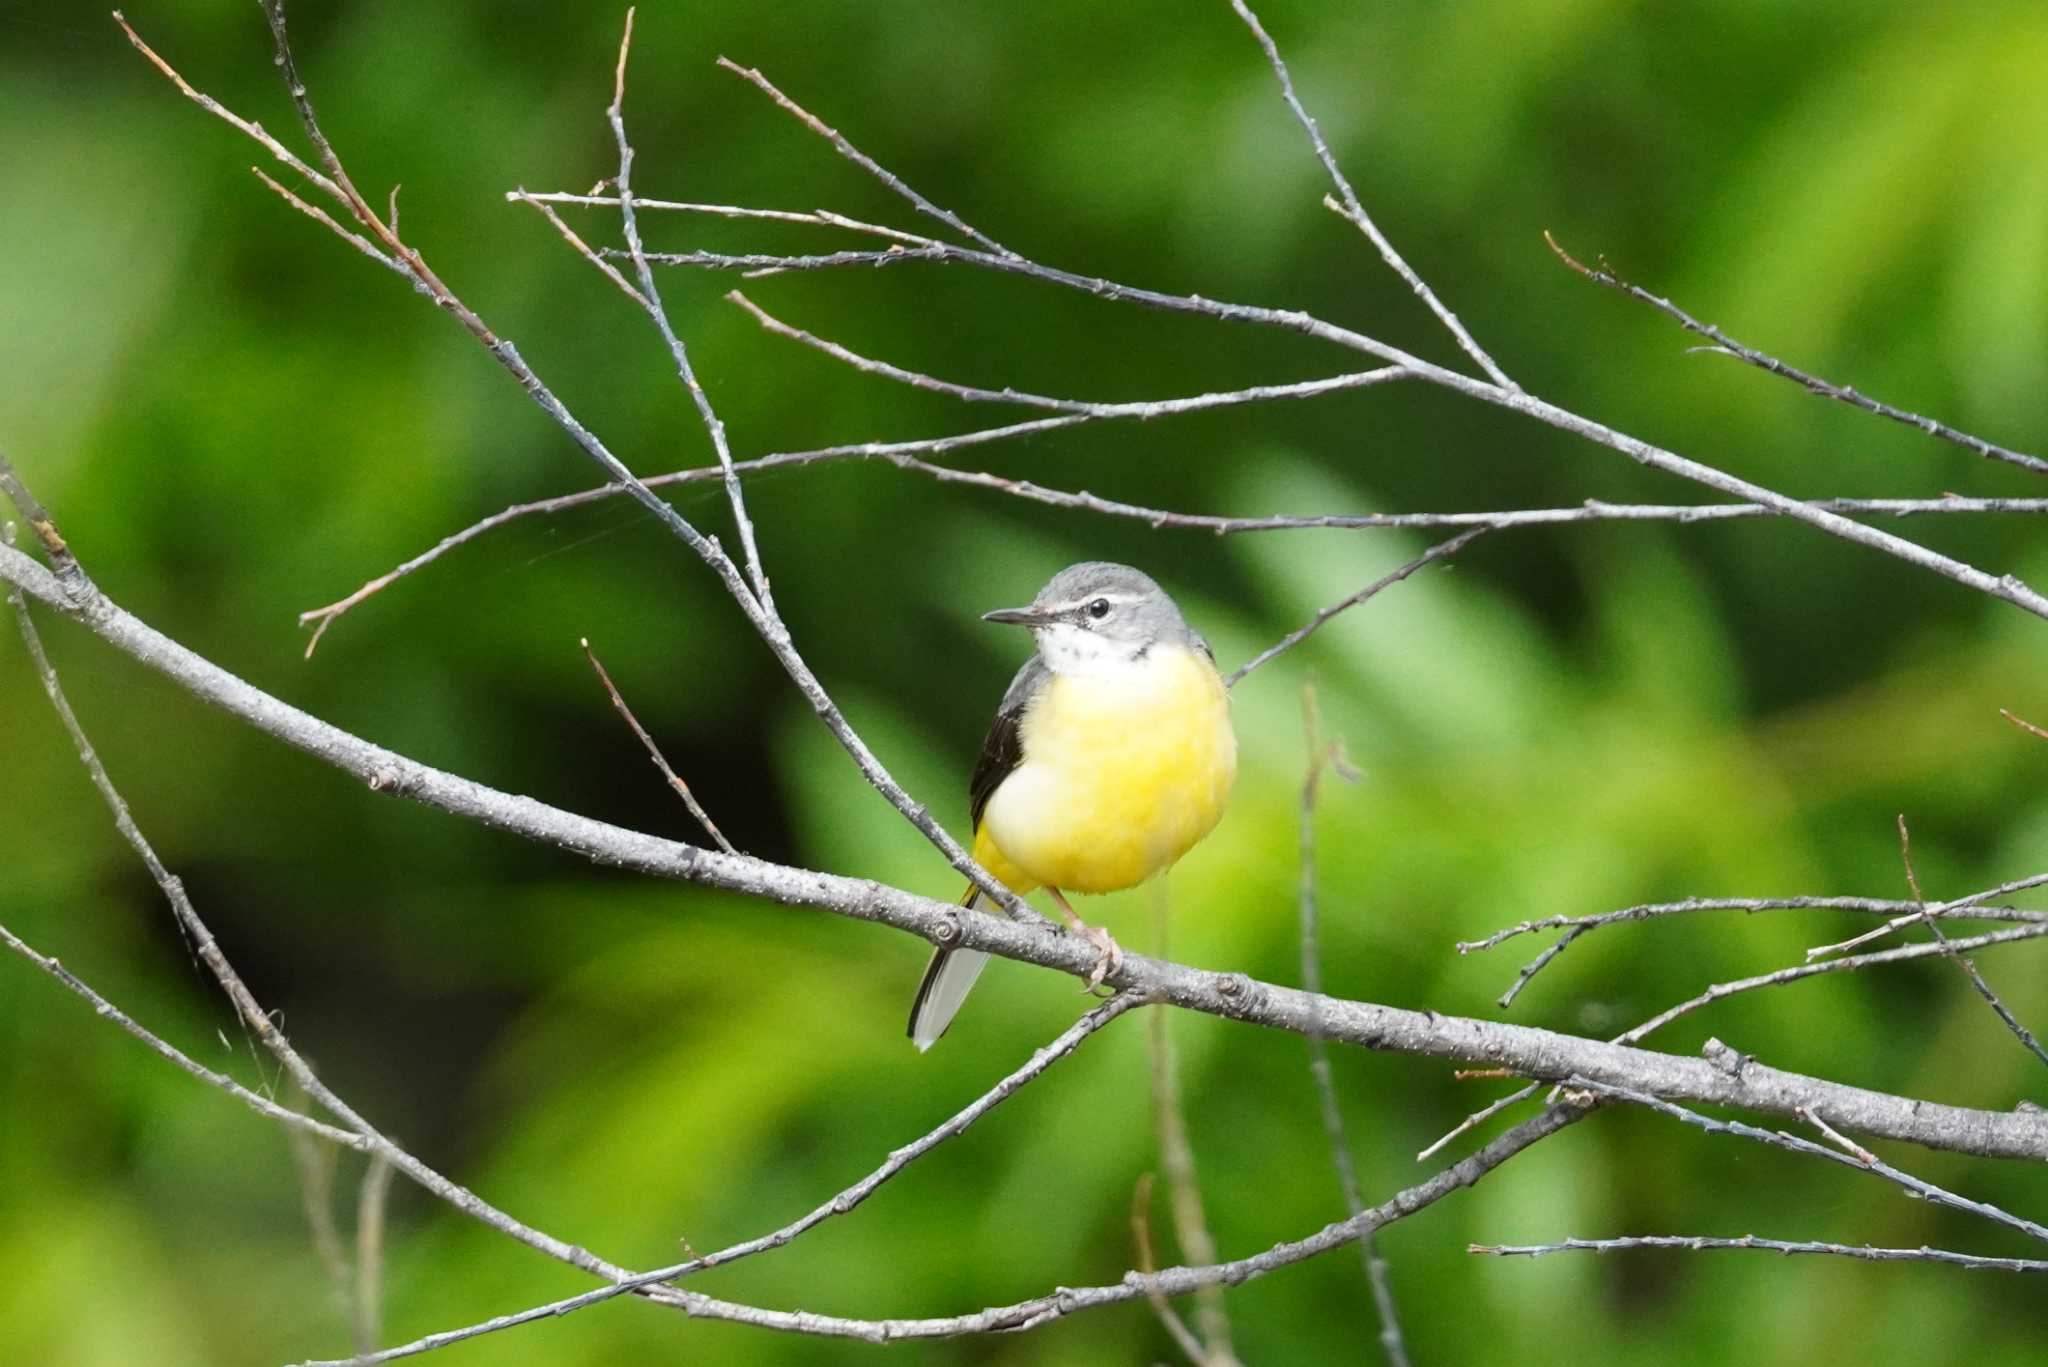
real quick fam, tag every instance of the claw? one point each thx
(1109, 954)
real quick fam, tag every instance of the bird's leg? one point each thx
(1110, 953)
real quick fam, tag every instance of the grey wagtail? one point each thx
(1110, 756)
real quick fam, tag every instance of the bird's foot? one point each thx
(1109, 954)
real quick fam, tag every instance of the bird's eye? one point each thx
(1099, 609)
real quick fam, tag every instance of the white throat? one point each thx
(1077, 651)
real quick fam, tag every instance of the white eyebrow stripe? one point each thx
(1086, 599)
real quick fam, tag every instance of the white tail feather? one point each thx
(947, 980)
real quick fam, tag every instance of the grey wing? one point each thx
(1002, 750)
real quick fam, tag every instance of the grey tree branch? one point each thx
(1699, 1243)
(1527, 1051)
(758, 610)
(1173, 1281)
(1349, 208)
(1329, 758)
(2008, 588)
(1855, 1158)
(1183, 1186)
(904, 455)
(1575, 926)
(1442, 550)
(1725, 345)
(841, 1203)
(1953, 950)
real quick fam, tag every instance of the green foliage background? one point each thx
(236, 419)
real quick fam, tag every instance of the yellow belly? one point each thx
(1122, 774)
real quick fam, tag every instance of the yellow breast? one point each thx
(1123, 772)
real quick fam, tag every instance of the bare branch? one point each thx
(651, 300)
(1576, 926)
(758, 610)
(1720, 991)
(1307, 629)
(1183, 1187)
(1350, 209)
(1915, 1186)
(1530, 1052)
(106, 1010)
(841, 1203)
(816, 218)
(1173, 1281)
(584, 250)
(862, 160)
(682, 789)
(1324, 758)
(2007, 588)
(326, 220)
(1953, 950)
(370, 1200)
(903, 456)
(1699, 1243)
(254, 132)
(2024, 724)
(1142, 411)
(1923, 912)
(1725, 345)
(1141, 1235)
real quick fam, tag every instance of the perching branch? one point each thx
(1529, 1052)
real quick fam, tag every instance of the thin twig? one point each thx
(841, 1203)
(1853, 963)
(313, 1163)
(1177, 1158)
(903, 456)
(1324, 758)
(861, 159)
(687, 373)
(1603, 274)
(1915, 1186)
(1354, 212)
(761, 265)
(81, 600)
(682, 789)
(1577, 926)
(177, 1057)
(2004, 587)
(1135, 1285)
(1926, 913)
(1476, 1119)
(1162, 1308)
(759, 612)
(1698, 1243)
(1142, 411)
(370, 1203)
(1303, 632)
(1873, 906)
(1950, 948)
(326, 220)
(252, 131)
(816, 218)
(2024, 725)
(583, 249)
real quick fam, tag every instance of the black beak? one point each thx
(1019, 617)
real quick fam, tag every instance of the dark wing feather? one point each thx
(1002, 750)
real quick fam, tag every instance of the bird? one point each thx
(1111, 755)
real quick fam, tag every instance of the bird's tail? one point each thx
(947, 980)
